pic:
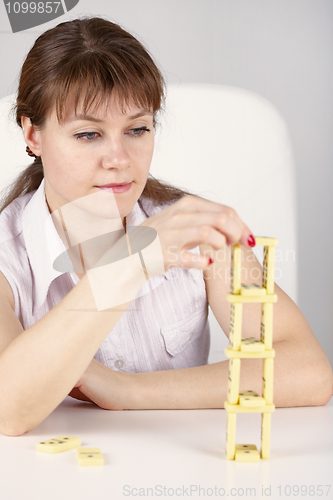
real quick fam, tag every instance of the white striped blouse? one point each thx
(165, 326)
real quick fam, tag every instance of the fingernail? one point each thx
(210, 261)
(251, 241)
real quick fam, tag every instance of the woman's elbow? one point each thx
(323, 383)
(12, 431)
(13, 428)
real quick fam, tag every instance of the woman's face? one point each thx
(108, 145)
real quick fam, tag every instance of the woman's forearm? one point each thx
(297, 382)
(43, 363)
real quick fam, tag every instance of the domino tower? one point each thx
(240, 348)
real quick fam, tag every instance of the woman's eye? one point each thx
(137, 132)
(89, 136)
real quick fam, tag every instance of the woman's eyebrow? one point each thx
(144, 112)
(92, 118)
(83, 117)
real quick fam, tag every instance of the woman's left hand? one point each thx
(96, 386)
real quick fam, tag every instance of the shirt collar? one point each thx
(43, 244)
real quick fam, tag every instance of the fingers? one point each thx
(193, 221)
(226, 219)
(217, 228)
(212, 228)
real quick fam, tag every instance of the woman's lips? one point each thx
(119, 188)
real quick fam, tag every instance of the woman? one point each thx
(87, 102)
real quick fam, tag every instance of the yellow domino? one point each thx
(266, 241)
(231, 353)
(266, 333)
(61, 443)
(231, 436)
(236, 269)
(90, 456)
(268, 269)
(251, 344)
(246, 453)
(252, 290)
(233, 381)
(250, 399)
(245, 299)
(268, 380)
(253, 409)
(265, 434)
(235, 332)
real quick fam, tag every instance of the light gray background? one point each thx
(281, 49)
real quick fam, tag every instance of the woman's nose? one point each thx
(115, 155)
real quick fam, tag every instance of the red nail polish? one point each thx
(210, 261)
(251, 241)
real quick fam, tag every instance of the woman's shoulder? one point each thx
(11, 218)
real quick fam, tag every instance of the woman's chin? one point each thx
(102, 204)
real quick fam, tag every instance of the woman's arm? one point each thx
(39, 366)
(200, 387)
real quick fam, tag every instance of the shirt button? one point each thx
(119, 363)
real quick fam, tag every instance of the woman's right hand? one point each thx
(192, 221)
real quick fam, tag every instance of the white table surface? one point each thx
(172, 452)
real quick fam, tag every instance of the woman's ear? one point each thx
(31, 136)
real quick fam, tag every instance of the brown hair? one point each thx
(88, 58)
